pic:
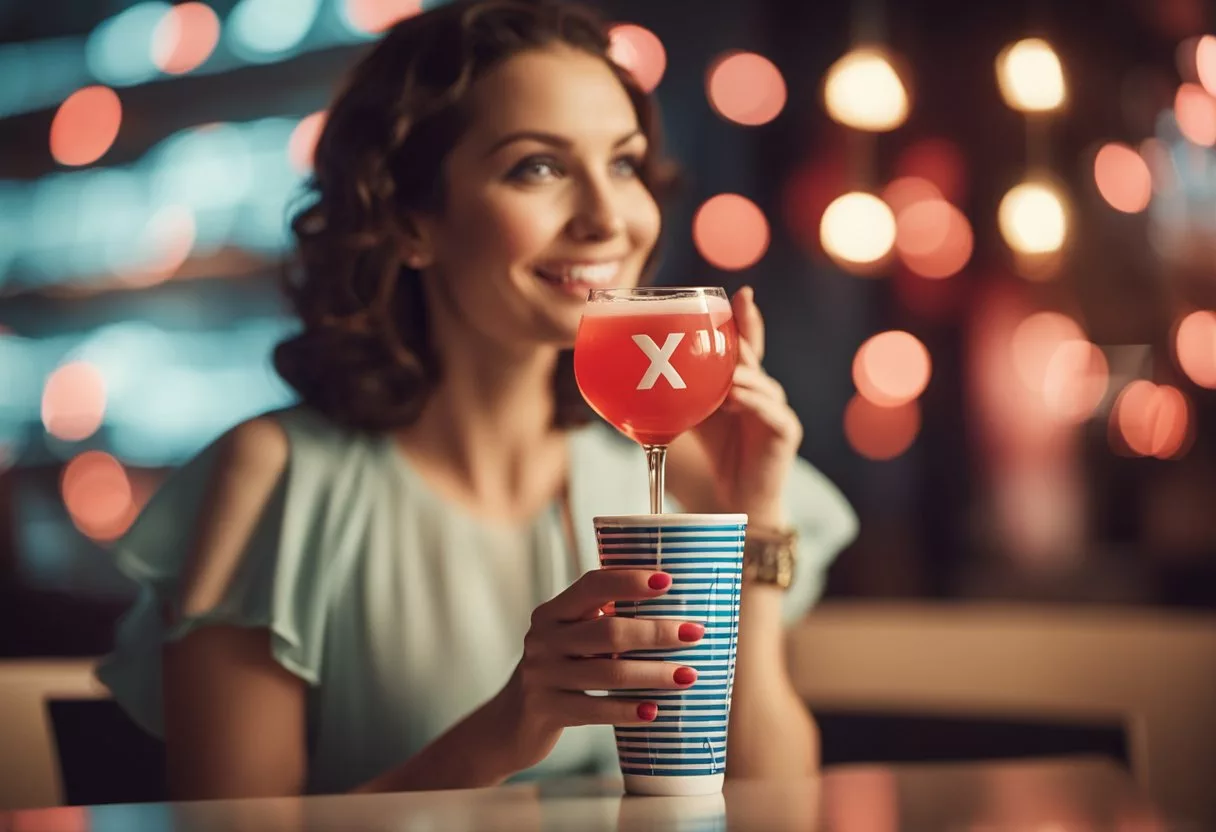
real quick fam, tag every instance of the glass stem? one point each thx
(656, 463)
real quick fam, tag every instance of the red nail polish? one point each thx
(691, 632)
(685, 675)
(659, 580)
(647, 711)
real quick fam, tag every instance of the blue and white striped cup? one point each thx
(683, 751)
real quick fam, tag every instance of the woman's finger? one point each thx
(617, 674)
(613, 634)
(749, 321)
(759, 381)
(587, 596)
(747, 355)
(776, 416)
(570, 709)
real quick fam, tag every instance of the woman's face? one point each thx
(543, 200)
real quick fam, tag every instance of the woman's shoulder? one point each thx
(269, 441)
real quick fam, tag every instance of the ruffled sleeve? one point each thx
(825, 523)
(278, 583)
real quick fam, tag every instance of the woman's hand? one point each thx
(752, 440)
(570, 649)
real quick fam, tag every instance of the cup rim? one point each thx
(620, 294)
(669, 520)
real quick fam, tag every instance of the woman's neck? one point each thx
(486, 435)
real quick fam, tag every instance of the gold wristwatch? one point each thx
(769, 556)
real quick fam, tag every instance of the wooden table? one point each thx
(1058, 796)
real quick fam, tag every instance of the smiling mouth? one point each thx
(580, 275)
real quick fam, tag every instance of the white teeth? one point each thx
(588, 273)
(595, 274)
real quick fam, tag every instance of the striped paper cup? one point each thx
(683, 751)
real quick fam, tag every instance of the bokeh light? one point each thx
(857, 229)
(863, 91)
(98, 495)
(74, 401)
(1195, 347)
(880, 433)
(1075, 381)
(185, 37)
(1195, 112)
(892, 368)
(374, 16)
(731, 232)
(1030, 76)
(1205, 63)
(85, 126)
(905, 191)
(303, 142)
(746, 88)
(933, 238)
(1035, 343)
(1153, 420)
(119, 49)
(268, 30)
(640, 51)
(1123, 178)
(167, 241)
(1033, 218)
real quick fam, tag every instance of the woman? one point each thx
(394, 585)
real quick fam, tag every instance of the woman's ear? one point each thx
(415, 247)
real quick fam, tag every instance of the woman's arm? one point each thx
(234, 727)
(234, 718)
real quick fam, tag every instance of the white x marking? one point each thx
(660, 360)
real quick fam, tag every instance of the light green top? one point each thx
(400, 610)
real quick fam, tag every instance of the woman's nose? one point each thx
(596, 217)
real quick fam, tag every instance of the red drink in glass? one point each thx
(656, 365)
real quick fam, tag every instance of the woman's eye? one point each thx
(626, 166)
(534, 169)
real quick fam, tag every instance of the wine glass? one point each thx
(654, 362)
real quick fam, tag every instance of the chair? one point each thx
(1083, 670)
(29, 761)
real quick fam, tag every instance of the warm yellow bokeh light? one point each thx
(863, 91)
(1030, 76)
(857, 228)
(1033, 218)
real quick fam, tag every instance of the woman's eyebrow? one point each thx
(551, 139)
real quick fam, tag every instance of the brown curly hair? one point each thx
(364, 356)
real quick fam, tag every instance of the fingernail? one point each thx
(685, 675)
(659, 580)
(647, 711)
(691, 632)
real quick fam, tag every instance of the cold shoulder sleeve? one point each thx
(279, 581)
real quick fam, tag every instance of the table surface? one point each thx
(1035, 796)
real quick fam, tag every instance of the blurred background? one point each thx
(983, 235)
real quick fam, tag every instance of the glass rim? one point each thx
(655, 293)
